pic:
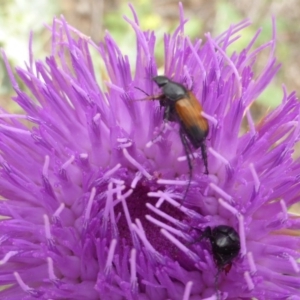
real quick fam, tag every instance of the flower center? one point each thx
(136, 221)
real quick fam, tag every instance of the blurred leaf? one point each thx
(271, 97)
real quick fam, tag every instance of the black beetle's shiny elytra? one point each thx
(225, 244)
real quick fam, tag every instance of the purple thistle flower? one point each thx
(91, 200)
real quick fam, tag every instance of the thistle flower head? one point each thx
(91, 199)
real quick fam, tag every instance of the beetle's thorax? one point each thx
(174, 91)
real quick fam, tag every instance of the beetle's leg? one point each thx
(204, 156)
(187, 151)
(153, 97)
(165, 118)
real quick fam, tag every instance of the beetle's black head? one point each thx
(225, 243)
(161, 80)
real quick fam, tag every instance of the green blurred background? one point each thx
(93, 17)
